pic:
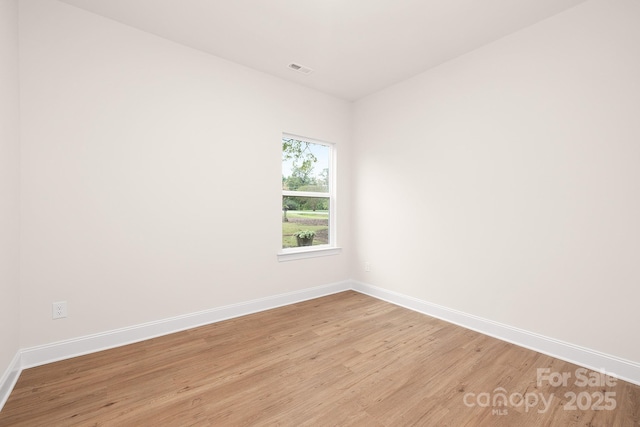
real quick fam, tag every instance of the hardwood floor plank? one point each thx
(345, 359)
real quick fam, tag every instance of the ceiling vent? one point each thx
(300, 68)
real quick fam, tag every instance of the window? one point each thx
(308, 202)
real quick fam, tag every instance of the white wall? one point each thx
(9, 184)
(151, 176)
(506, 183)
(503, 183)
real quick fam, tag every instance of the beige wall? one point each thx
(9, 182)
(151, 176)
(506, 183)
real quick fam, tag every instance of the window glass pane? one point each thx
(305, 166)
(305, 216)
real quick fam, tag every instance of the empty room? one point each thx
(320, 212)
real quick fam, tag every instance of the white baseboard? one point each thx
(48, 353)
(43, 354)
(9, 379)
(623, 369)
(40, 355)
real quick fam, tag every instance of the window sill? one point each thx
(293, 254)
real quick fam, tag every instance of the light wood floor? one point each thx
(345, 359)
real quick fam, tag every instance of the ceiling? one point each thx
(355, 47)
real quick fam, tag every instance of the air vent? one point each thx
(300, 68)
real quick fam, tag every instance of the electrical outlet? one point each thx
(59, 309)
(367, 266)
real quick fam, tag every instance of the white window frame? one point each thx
(289, 254)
